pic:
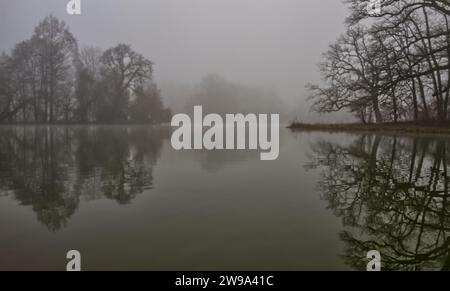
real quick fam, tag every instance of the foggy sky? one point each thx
(273, 44)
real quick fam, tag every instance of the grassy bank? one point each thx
(400, 128)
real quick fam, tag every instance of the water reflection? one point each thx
(392, 194)
(52, 168)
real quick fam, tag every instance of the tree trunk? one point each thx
(376, 109)
(414, 92)
(422, 96)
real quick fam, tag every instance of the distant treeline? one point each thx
(390, 67)
(47, 79)
(218, 95)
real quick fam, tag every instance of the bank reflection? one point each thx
(52, 168)
(392, 194)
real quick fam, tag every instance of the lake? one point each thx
(127, 201)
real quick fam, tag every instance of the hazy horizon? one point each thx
(272, 45)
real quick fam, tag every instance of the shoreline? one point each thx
(82, 124)
(388, 128)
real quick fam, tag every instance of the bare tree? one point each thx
(397, 67)
(88, 77)
(352, 72)
(56, 50)
(124, 70)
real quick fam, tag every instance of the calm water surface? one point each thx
(127, 201)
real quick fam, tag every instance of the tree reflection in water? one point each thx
(392, 196)
(52, 168)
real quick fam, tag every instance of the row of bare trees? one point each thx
(48, 79)
(390, 67)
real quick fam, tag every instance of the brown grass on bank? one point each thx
(400, 127)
